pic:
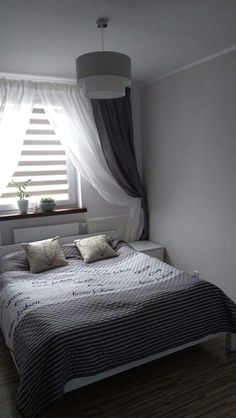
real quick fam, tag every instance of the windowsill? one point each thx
(8, 216)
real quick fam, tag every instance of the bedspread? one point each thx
(81, 320)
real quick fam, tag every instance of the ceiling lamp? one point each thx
(103, 74)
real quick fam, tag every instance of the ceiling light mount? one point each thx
(102, 23)
(103, 74)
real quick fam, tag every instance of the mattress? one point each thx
(81, 320)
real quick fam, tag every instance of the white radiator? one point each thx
(90, 225)
(43, 232)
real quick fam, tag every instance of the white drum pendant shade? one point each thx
(103, 74)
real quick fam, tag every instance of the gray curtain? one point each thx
(113, 118)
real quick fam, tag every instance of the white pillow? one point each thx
(45, 255)
(95, 248)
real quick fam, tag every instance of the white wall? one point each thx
(189, 166)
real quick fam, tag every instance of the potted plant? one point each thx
(47, 204)
(22, 203)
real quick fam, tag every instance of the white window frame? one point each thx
(74, 186)
(74, 191)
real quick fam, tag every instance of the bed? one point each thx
(77, 324)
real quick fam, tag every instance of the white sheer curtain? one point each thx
(16, 98)
(72, 114)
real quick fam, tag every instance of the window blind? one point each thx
(42, 160)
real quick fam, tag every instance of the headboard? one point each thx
(6, 249)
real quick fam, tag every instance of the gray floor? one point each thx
(198, 382)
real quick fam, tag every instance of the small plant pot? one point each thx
(47, 207)
(23, 205)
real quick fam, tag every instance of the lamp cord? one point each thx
(102, 24)
(102, 40)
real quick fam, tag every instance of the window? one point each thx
(43, 160)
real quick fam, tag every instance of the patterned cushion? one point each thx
(115, 243)
(45, 255)
(95, 248)
(14, 261)
(71, 251)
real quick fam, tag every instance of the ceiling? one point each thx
(43, 37)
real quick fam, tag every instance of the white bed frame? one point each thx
(84, 381)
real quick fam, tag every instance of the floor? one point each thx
(197, 382)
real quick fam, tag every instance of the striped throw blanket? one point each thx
(80, 320)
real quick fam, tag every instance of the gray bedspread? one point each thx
(80, 320)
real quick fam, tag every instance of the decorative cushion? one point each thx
(95, 248)
(45, 255)
(14, 262)
(71, 251)
(115, 243)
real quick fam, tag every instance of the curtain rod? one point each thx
(37, 78)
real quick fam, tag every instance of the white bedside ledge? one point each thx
(148, 247)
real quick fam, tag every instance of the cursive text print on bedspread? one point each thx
(80, 320)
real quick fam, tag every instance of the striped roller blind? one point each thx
(42, 160)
